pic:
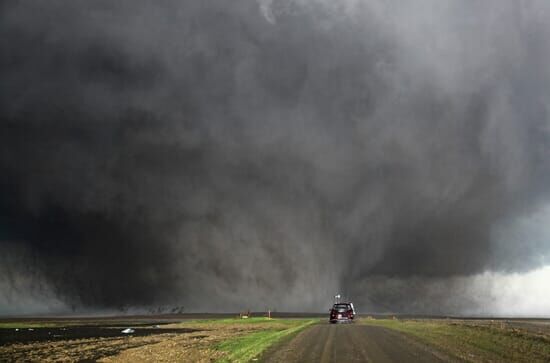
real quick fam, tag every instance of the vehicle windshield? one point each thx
(341, 306)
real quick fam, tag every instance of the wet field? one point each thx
(27, 335)
(55, 328)
(87, 339)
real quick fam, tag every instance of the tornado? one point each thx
(266, 155)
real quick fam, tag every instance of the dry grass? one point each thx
(477, 340)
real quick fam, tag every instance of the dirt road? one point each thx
(352, 343)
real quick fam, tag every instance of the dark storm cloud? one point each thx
(268, 154)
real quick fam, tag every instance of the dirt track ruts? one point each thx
(352, 343)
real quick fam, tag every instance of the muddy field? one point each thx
(189, 338)
(157, 347)
(28, 335)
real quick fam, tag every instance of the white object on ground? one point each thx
(128, 331)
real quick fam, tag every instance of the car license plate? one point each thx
(339, 316)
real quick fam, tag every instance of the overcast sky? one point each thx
(229, 155)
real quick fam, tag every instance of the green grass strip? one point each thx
(245, 348)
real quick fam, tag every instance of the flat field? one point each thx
(188, 339)
(477, 340)
(226, 338)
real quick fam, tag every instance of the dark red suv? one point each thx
(342, 312)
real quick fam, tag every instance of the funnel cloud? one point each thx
(218, 155)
